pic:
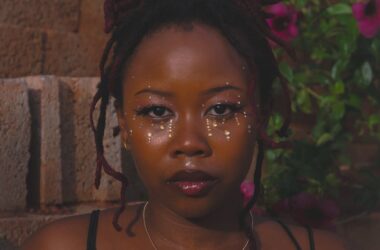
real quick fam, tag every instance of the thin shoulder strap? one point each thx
(92, 229)
(289, 232)
(311, 237)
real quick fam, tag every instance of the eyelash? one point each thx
(233, 107)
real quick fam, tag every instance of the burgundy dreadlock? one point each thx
(130, 20)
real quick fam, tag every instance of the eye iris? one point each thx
(159, 111)
(220, 109)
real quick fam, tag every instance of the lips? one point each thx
(193, 183)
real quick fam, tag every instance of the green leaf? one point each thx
(339, 9)
(373, 121)
(286, 71)
(367, 73)
(303, 101)
(326, 137)
(338, 88)
(354, 101)
(338, 110)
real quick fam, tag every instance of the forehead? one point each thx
(177, 57)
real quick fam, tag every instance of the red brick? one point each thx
(20, 51)
(69, 54)
(60, 15)
(92, 18)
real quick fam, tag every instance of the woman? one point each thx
(192, 81)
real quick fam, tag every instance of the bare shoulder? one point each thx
(67, 233)
(323, 240)
(328, 240)
(71, 232)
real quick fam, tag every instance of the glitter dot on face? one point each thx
(131, 132)
(227, 133)
(149, 137)
(237, 120)
(227, 83)
(249, 129)
(170, 129)
(215, 125)
(162, 127)
(208, 127)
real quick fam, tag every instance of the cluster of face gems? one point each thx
(170, 128)
(228, 135)
(149, 137)
(237, 120)
(208, 127)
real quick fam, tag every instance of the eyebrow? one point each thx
(208, 92)
(220, 89)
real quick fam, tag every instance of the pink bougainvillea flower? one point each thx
(283, 22)
(307, 209)
(368, 17)
(247, 189)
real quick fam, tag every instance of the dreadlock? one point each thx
(242, 22)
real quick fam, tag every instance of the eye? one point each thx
(222, 110)
(154, 111)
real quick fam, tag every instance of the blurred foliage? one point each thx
(336, 82)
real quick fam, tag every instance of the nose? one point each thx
(189, 139)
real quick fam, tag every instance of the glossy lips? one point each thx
(193, 183)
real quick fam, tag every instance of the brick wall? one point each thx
(44, 37)
(48, 154)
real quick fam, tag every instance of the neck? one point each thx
(169, 230)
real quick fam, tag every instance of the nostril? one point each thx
(189, 153)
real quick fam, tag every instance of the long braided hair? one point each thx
(242, 22)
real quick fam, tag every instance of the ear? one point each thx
(122, 122)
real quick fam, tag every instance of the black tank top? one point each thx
(93, 226)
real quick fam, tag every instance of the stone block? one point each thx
(69, 54)
(15, 134)
(20, 51)
(46, 14)
(92, 18)
(45, 169)
(78, 144)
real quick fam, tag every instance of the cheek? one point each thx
(233, 143)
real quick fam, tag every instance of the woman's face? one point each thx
(187, 116)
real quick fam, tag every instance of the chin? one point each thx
(197, 208)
